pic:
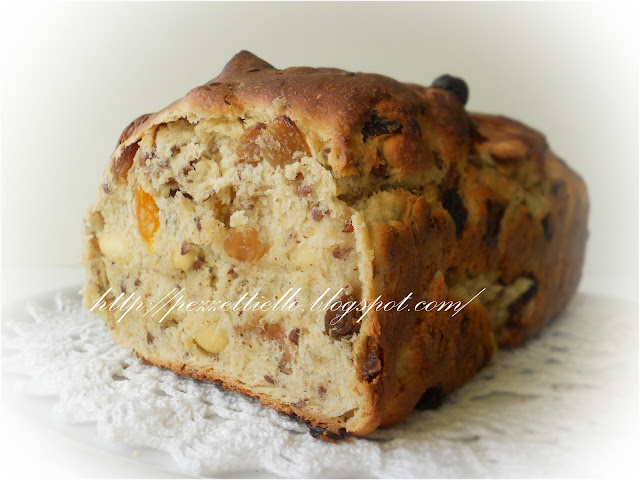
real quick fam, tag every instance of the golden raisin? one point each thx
(123, 163)
(147, 214)
(248, 151)
(243, 246)
(277, 143)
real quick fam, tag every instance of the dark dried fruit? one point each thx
(185, 248)
(342, 321)
(548, 228)
(137, 282)
(321, 391)
(379, 126)
(269, 379)
(516, 307)
(150, 338)
(463, 324)
(326, 152)
(294, 335)
(324, 434)
(123, 163)
(453, 84)
(372, 365)
(432, 398)
(348, 227)
(452, 203)
(495, 212)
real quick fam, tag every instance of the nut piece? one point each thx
(212, 338)
(304, 256)
(147, 214)
(243, 246)
(184, 261)
(278, 142)
(115, 247)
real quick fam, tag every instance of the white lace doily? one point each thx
(557, 406)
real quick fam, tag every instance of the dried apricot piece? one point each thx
(147, 214)
(243, 246)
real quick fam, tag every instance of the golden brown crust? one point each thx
(337, 105)
(500, 203)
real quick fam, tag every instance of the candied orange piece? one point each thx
(276, 143)
(147, 214)
(243, 246)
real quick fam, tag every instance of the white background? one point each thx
(75, 74)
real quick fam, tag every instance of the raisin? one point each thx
(321, 391)
(518, 305)
(452, 203)
(185, 248)
(463, 324)
(380, 169)
(495, 212)
(324, 434)
(243, 246)
(431, 398)
(269, 379)
(372, 365)
(548, 228)
(379, 126)
(137, 282)
(294, 335)
(453, 84)
(123, 163)
(340, 324)
(150, 338)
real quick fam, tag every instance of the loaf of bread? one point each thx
(319, 189)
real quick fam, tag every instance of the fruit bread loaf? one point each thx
(327, 192)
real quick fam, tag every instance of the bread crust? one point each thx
(501, 204)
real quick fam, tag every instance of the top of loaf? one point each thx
(363, 124)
